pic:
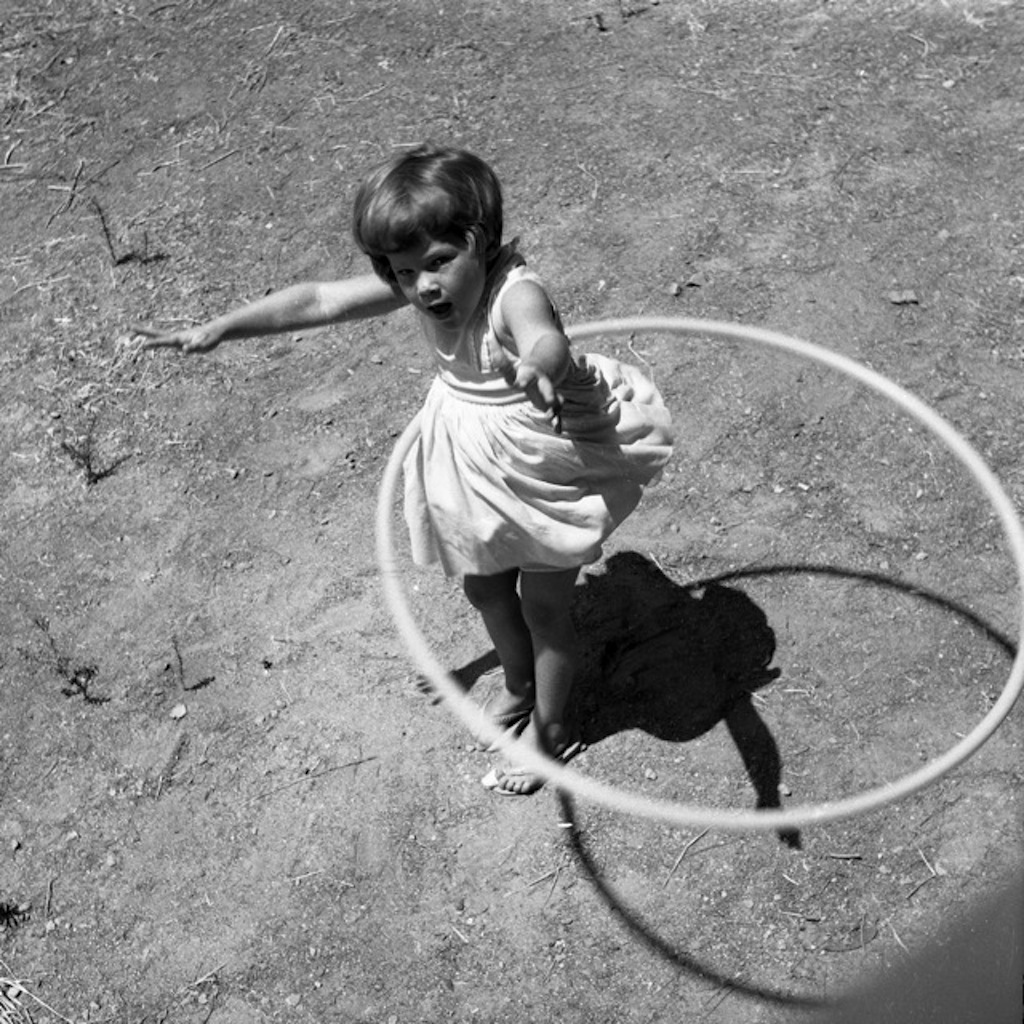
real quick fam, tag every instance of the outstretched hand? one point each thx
(541, 391)
(202, 338)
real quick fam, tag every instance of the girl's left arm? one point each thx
(542, 345)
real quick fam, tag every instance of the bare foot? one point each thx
(518, 781)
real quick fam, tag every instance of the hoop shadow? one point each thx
(646, 935)
(674, 661)
(642, 931)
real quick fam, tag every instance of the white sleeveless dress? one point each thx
(491, 486)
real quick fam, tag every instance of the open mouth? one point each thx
(439, 310)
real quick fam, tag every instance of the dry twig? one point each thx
(696, 839)
(72, 191)
(899, 941)
(932, 873)
(217, 160)
(309, 777)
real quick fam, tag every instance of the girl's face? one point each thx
(442, 279)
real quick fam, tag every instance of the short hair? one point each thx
(430, 192)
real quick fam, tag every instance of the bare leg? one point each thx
(497, 600)
(547, 607)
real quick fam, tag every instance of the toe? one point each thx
(518, 783)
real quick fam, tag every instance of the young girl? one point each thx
(528, 456)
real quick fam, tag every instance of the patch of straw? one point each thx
(12, 1002)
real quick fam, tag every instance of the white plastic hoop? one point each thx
(686, 815)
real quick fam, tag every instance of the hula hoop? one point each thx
(687, 815)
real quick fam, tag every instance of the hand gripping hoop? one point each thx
(687, 815)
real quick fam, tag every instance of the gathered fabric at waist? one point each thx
(489, 391)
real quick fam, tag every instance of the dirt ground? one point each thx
(223, 796)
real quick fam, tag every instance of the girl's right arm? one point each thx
(300, 306)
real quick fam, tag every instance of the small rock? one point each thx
(904, 297)
(178, 712)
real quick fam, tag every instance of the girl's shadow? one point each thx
(675, 661)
